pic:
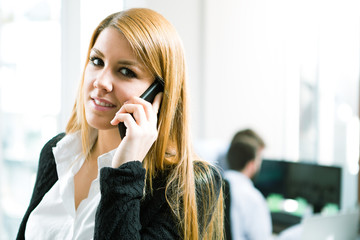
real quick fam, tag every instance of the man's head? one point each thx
(250, 134)
(245, 152)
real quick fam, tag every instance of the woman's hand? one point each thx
(141, 132)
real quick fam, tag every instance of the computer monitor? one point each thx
(317, 184)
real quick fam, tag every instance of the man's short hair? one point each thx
(240, 153)
(248, 133)
(243, 149)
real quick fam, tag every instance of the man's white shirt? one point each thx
(249, 214)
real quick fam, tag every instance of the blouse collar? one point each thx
(68, 152)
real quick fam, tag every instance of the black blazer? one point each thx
(121, 203)
(123, 211)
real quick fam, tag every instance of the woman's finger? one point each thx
(157, 102)
(138, 112)
(126, 118)
(151, 109)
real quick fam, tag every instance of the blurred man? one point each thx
(249, 214)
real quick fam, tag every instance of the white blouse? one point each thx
(56, 217)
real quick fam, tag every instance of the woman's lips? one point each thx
(102, 105)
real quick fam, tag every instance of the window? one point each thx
(41, 45)
(29, 99)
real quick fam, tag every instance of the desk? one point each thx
(283, 220)
(297, 232)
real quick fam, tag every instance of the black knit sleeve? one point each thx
(120, 215)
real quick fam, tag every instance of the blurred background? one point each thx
(288, 69)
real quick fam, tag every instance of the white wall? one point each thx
(236, 70)
(250, 80)
(247, 60)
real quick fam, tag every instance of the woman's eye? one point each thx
(127, 72)
(96, 61)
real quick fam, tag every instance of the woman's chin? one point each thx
(101, 125)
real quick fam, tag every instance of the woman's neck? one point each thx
(107, 140)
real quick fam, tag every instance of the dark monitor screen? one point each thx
(317, 184)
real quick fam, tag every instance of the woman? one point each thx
(148, 185)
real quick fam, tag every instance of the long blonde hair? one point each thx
(155, 41)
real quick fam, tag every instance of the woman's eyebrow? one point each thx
(97, 51)
(129, 63)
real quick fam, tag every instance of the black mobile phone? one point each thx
(149, 95)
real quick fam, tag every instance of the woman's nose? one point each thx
(104, 80)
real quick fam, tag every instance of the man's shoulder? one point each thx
(243, 188)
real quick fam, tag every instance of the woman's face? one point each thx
(112, 75)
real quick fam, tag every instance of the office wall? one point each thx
(251, 80)
(236, 60)
(249, 62)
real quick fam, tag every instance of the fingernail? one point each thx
(112, 120)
